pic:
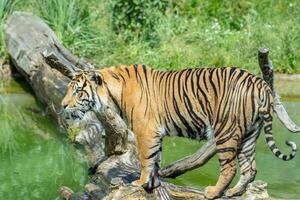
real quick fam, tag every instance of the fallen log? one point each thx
(38, 55)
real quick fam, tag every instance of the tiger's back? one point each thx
(192, 102)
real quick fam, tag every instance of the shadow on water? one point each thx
(283, 177)
(35, 159)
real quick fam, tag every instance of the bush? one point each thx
(137, 18)
(172, 34)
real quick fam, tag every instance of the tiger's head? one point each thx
(82, 95)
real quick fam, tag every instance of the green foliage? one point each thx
(70, 19)
(172, 34)
(230, 14)
(137, 18)
(73, 131)
(194, 33)
(6, 7)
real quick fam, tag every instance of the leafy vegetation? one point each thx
(175, 34)
(73, 131)
(137, 19)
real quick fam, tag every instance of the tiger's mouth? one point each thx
(74, 114)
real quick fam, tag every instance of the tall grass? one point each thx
(207, 33)
(71, 21)
(208, 40)
(6, 7)
(176, 34)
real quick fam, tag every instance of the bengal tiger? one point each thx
(229, 105)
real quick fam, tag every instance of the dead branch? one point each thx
(189, 163)
(268, 75)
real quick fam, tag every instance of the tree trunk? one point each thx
(38, 55)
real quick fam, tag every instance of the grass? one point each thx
(71, 20)
(180, 34)
(6, 7)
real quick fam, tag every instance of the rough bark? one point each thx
(47, 65)
(266, 66)
(116, 130)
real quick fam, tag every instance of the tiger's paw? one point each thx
(138, 183)
(211, 192)
(234, 192)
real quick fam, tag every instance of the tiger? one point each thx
(228, 104)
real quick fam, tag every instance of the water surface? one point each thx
(35, 158)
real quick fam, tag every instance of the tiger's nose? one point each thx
(64, 104)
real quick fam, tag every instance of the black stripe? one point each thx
(227, 149)
(154, 154)
(127, 70)
(212, 71)
(145, 73)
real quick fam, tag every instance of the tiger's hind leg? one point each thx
(246, 158)
(227, 151)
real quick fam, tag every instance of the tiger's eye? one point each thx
(80, 94)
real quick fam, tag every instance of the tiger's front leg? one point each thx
(149, 150)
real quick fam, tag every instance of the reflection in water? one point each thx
(35, 159)
(283, 177)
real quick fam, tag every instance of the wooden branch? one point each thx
(48, 66)
(189, 163)
(266, 67)
(116, 131)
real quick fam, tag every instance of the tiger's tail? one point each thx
(267, 125)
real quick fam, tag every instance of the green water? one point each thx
(283, 177)
(35, 158)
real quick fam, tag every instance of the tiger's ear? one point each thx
(97, 78)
